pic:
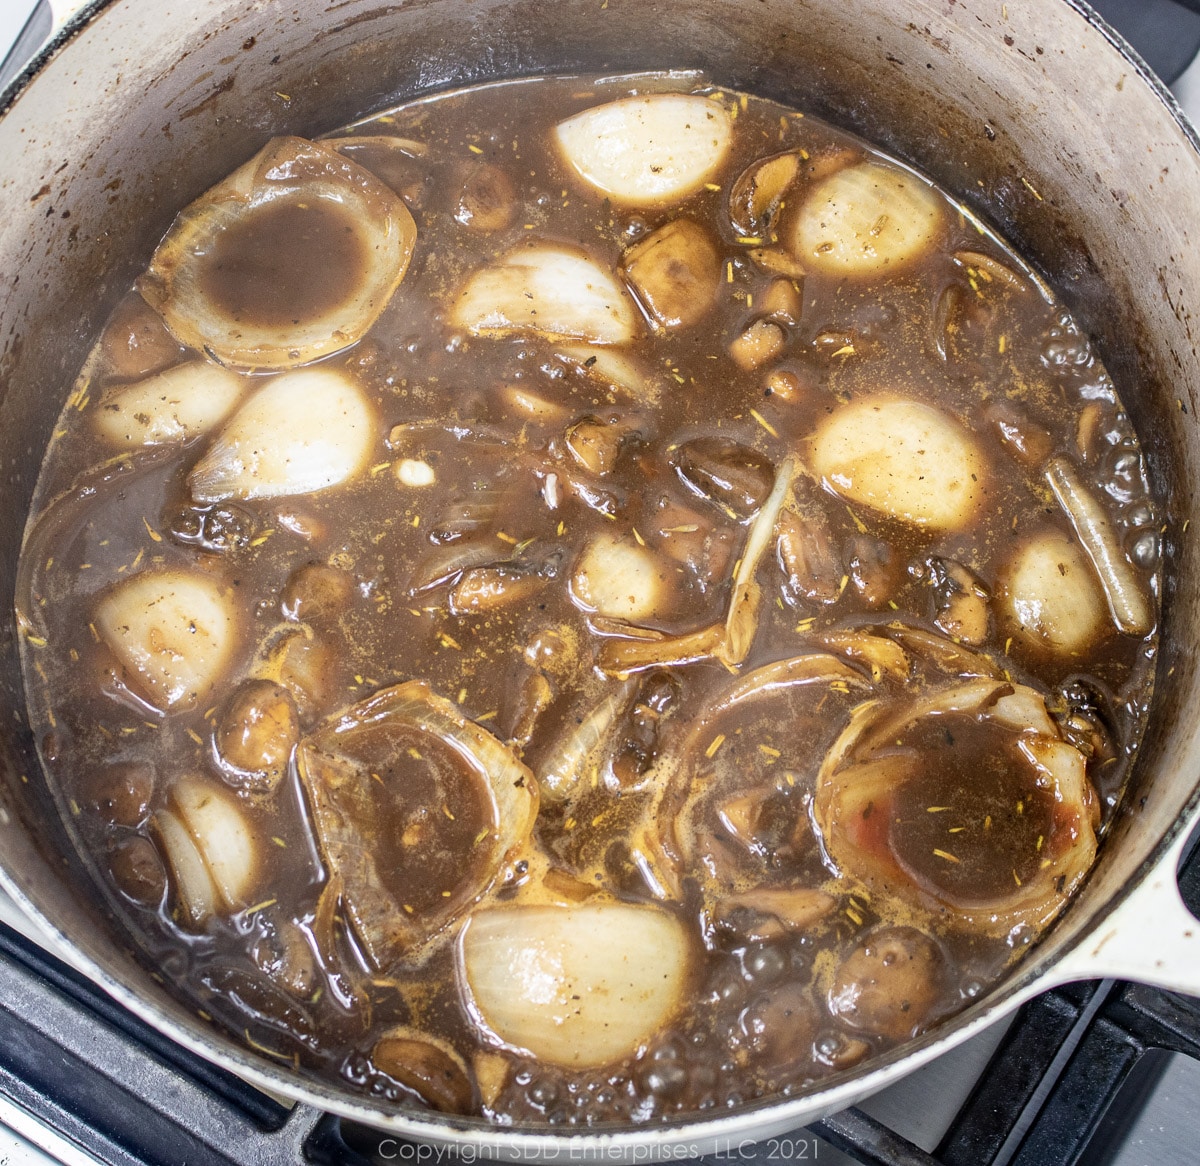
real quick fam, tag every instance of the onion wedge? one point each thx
(416, 810)
(173, 406)
(302, 432)
(866, 219)
(581, 986)
(546, 290)
(904, 458)
(1003, 742)
(648, 151)
(207, 272)
(174, 631)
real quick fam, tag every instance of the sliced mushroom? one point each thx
(485, 588)
(811, 565)
(230, 280)
(429, 1067)
(963, 611)
(172, 406)
(545, 290)
(890, 984)
(595, 444)
(255, 736)
(582, 985)
(302, 432)
(174, 631)
(875, 570)
(866, 219)
(797, 908)
(756, 196)
(733, 476)
(647, 151)
(904, 458)
(675, 272)
(416, 810)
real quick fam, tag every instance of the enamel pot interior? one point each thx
(1025, 111)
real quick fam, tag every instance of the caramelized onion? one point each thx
(361, 777)
(860, 804)
(297, 178)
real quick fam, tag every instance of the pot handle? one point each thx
(1151, 937)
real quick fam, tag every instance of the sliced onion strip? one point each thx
(1126, 600)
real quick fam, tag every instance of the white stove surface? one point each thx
(919, 1108)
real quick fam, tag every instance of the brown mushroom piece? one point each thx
(430, 1069)
(121, 793)
(732, 476)
(761, 342)
(488, 201)
(138, 870)
(316, 591)
(890, 984)
(675, 272)
(255, 736)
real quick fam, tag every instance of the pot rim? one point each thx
(1035, 973)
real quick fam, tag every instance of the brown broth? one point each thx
(288, 261)
(359, 587)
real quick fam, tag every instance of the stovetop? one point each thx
(1094, 1074)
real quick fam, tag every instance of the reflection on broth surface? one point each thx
(587, 600)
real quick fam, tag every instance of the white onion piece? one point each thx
(582, 986)
(1126, 599)
(866, 218)
(298, 175)
(648, 151)
(1050, 595)
(174, 630)
(568, 765)
(193, 884)
(172, 406)
(550, 291)
(221, 834)
(904, 458)
(620, 579)
(741, 622)
(615, 369)
(303, 431)
(357, 831)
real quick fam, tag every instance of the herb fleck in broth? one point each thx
(682, 636)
